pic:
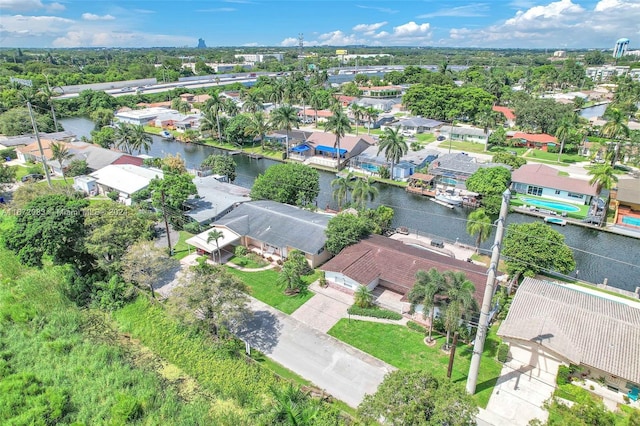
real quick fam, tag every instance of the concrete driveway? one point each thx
(324, 309)
(343, 371)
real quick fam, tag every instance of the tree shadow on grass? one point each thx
(262, 331)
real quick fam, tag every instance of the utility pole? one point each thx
(483, 323)
(35, 131)
(166, 222)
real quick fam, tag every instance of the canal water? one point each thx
(598, 254)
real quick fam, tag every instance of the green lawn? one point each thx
(20, 171)
(264, 287)
(538, 155)
(250, 260)
(404, 348)
(181, 248)
(464, 146)
(425, 137)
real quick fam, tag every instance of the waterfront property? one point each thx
(23, 140)
(214, 199)
(370, 162)
(544, 181)
(550, 324)
(389, 266)
(125, 179)
(320, 149)
(273, 229)
(454, 169)
(626, 202)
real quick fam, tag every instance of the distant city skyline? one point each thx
(562, 24)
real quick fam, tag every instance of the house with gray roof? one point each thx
(551, 324)
(467, 134)
(455, 169)
(418, 124)
(274, 229)
(23, 140)
(214, 200)
(382, 104)
(370, 161)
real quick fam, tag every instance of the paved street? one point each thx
(345, 372)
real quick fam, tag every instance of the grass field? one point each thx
(404, 348)
(181, 248)
(264, 287)
(536, 154)
(475, 147)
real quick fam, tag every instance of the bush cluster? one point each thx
(503, 352)
(374, 313)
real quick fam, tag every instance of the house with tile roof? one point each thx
(379, 261)
(551, 324)
(274, 229)
(545, 181)
(541, 141)
(508, 114)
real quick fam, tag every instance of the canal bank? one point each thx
(599, 255)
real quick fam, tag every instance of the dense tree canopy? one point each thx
(490, 182)
(447, 102)
(17, 122)
(509, 159)
(529, 248)
(344, 230)
(540, 115)
(223, 165)
(289, 183)
(417, 398)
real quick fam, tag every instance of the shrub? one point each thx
(626, 399)
(564, 375)
(503, 352)
(240, 251)
(192, 227)
(8, 153)
(114, 195)
(323, 279)
(416, 327)
(374, 313)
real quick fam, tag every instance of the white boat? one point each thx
(166, 134)
(454, 200)
(555, 220)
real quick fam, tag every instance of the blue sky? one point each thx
(454, 23)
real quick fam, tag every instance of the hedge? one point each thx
(503, 352)
(374, 312)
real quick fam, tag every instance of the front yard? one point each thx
(474, 147)
(404, 348)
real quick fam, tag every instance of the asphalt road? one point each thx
(343, 371)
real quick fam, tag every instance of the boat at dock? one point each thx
(449, 198)
(555, 220)
(442, 203)
(165, 134)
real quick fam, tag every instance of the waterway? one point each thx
(598, 254)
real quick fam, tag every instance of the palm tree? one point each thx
(215, 235)
(60, 153)
(123, 136)
(363, 297)
(258, 127)
(363, 191)
(140, 139)
(342, 186)
(290, 406)
(603, 177)
(316, 103)
(208, 121)
(479, 224)
(486, 120)
(459, 300)
(252, 102)
(48, 94)
(214, 106)
(393, 145)
(230, 107)
(339, 125)
(358, 113)
(285, 117)
(616, 128)
(429, 287)
(372, 116)
(565, 126)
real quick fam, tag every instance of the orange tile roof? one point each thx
(535, 137)
(507, 112)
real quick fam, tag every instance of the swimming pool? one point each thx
(629, 220)
(551, 204)
(369, 168)
(449, 181)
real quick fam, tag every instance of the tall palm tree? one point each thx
(459, 300)
(339, 125)
(252, 101)
(316, 102)
(372, 116)
(48, 94)
(603, 177)
(285, 117)
(123, 136)
(486, 120)
(215, 235)
(208, 121)
(393, 145)
(341, 187)
(479, 224)
(60, 153)
(140, 139)
(565, 126)
(616, 129)
(230, 107)
(363, 191)
(214, 106)
(258, 126)
(429, 287)
(358, 113)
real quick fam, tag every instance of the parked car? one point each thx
(440, 138)
(32, 177)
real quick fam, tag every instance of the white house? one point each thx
(126, 179)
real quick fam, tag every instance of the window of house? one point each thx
(534, 190)
(557, 192)
(574, 195)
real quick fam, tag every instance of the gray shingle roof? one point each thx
(279, 225)
(420, 122)
(585, 328)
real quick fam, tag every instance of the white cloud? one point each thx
(93, 17)
(379, 9)
(32, 26)
(289, 42)
(366, 28)
(90, 38)
(21, 5)
(561, 23)
(336, 38)
(470, 10)
(410, 29)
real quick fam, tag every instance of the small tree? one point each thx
(211, 296)
(60, 153)
(144, 264)
(479, 224)
(429, 287)
(363, 297)
(293, 269)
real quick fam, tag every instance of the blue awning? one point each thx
(330, 150)
(300, 148)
